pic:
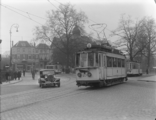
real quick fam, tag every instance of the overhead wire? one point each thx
(28, 17)
(20, 13)
(24, 11)
(52, 4)
(91, 21)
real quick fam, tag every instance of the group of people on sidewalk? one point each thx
(13, 75)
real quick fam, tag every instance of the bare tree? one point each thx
(127, 33)
(60, 24)
(150, 32)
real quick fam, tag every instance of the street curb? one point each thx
(13, 82)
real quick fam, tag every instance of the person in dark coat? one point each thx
(15, 74)
(7, 75)
(19, 75)
(33, 74)
(24, 72)
(147, 71)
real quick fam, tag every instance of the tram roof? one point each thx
(107, 49)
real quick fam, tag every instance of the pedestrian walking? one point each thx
(24, 72)
(33, 74)
(146, 71)
(19, 75)
(7, 76)
(15, 75)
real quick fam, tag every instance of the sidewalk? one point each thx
(63, 76)
(151, 77)
(148, 75)
(12, 82)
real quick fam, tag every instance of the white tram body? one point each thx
(100, 65)
(133, 68)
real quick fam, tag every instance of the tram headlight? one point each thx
(89, 45)
(79, 74)
(89, 74)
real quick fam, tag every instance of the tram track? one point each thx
(65, 83)
(61, 96)
(37, 97)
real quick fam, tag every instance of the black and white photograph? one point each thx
(77, 59)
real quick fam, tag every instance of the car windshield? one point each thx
(49, 72)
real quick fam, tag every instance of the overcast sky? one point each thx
(99, 11)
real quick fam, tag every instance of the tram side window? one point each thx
(77, 60)
(100, 62)
(134, 66)
(90, 59)
(109, 61)
(123, 63)
(96, 59)
(119, 62)
(115, 62)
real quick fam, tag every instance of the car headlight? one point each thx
(46, 77)
(79, 74)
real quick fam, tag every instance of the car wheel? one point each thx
(58, 84)
(41, 85)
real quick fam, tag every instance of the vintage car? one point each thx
(47, 78)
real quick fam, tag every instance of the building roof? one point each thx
(22, 44)
(42, 46)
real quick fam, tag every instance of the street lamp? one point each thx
(15, 26)
(0, 64)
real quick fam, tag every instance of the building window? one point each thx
(29, 56)
(34, 56)
(15, 56)
(21, 56)
(23, 50)
(26, 56)
(18, 56)
(18, 50)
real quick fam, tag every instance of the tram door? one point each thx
(104, 66)
(100, 66)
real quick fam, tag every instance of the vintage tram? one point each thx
(100, 65)
(134, 68)
(57, 68)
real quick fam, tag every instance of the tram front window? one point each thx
(90, 59)
(83, 60)
(77, 60)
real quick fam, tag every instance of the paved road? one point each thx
(25, 84)
(134, 100)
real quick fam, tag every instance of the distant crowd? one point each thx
(13, 75)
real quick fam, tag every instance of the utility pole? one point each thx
(0, 63)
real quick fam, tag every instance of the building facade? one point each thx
(26, 55)
(44, 53)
